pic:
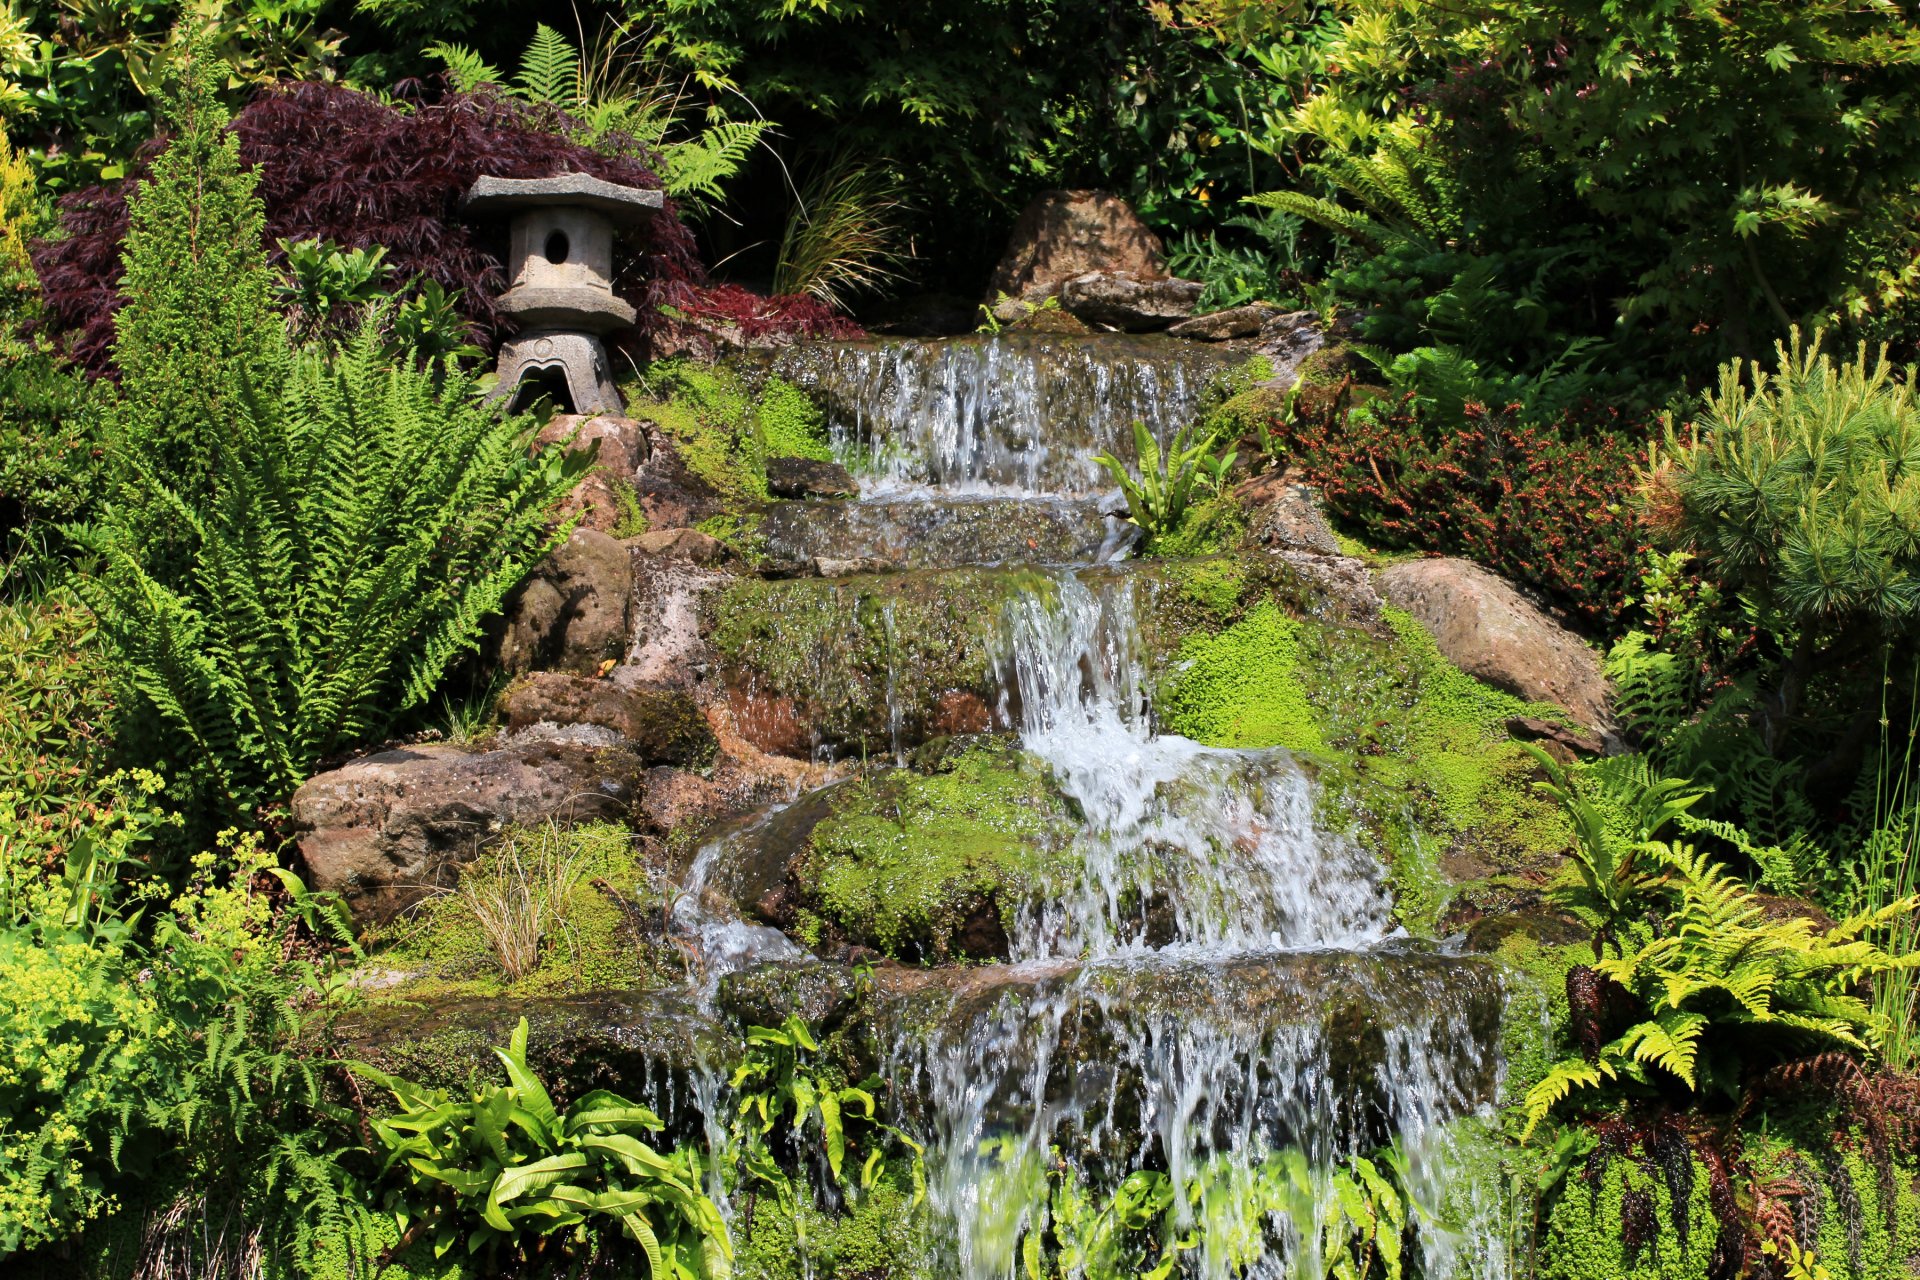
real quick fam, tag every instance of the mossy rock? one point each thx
(884, 1233)
(935, 866)
(868, 664)
(606, 933)
(1631, 1219)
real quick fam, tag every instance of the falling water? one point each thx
(1016, 415)
(1217, 991)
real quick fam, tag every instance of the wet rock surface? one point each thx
(1127, 303)
(1488, 629)
(1223, 326)
(388, 829)
(645, 1045)
(808, 478)
(938, 533)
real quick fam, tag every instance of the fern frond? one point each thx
(466, 68)
(550, 70)
(1322, 212)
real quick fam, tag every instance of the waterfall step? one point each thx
(937, 532)
(1020, 413)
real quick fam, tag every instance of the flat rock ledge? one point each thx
(387, 830)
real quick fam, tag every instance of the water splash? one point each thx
(1181, 844)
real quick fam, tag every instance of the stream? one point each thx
(1218, 985)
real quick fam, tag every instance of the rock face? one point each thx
(809, 478)
(1492, 632)
(386, 830)
(1063, 234)
(1127, 302)
(682, 544)
(645, 1045)
(1286, 516)
(605, 499)
(661, 726)
(571, 614)
(1220, 326)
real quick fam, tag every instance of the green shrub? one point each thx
(1799, 487)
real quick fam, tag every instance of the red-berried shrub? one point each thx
(339, 165)
(1551, 506)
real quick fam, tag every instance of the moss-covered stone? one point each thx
(1415, 755)
(864, 665)
(604, 933)
(935, 866)
(881, 1235)
(724, 430)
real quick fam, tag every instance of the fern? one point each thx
(466, 68)
(1322, 212)
(697, 167)
(363, 525)
(1720, 989)
(550, 70)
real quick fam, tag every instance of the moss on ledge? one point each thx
(935, 866)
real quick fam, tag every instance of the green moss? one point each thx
(865, 659)
(723, 431)
(1863, 1214)
(592, 947)
(923, 866)
(793, 425)
(1584, 1237)
(633, 516)
(1414, 755)
(1242, 688)
(1212, 525)
(882, 1233)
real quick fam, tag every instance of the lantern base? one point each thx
(558, 364)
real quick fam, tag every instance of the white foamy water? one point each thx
(1182, 844)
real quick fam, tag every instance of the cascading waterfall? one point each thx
(1015, 416)
(1217, 990)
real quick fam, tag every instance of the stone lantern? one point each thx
(561, 294)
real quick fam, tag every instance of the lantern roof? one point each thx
(627, 205)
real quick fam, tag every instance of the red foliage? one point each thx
(749, 317)
(339, 165)
(1551, 506)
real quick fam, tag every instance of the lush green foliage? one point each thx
(161, 1049)
(1705, 988)
(507, 1167)
(785, 1090)
(361, 530)
(1800, 485)
(1162, 493)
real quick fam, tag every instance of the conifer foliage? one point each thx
(341, 521)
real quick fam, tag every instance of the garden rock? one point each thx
(387, 830)
(1223, 326)
(1285, 516)
(1484, 626)
(1063, 234)
(660, 725)
(571, 614)
(605, 499)
(682, 544)
(1127, 302)
(809, 478)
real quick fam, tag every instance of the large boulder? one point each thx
(605, 500)
(660, 725)
(1484, 626)
(1125, 302)
(1063, 234)
(571, 613)
(387, 830)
